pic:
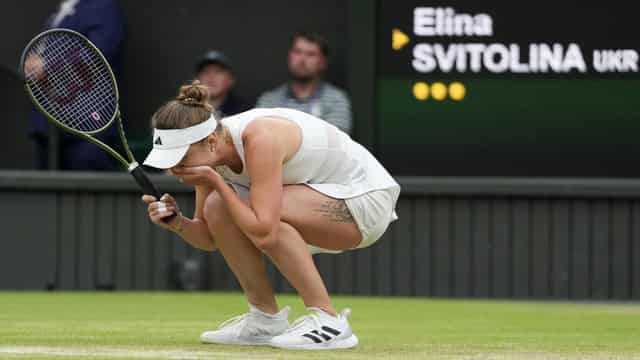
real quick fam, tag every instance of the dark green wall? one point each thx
(478, 237)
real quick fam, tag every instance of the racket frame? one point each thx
(84, 134)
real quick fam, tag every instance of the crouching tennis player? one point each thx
(278, 182)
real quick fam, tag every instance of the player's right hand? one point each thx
(158, 210)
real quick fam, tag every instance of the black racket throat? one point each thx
(147, 186)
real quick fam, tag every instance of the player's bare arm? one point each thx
(260, 218)
(193, 231)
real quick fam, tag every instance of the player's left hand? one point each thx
(196, 175)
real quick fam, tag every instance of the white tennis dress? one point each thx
(330, 162)
(327, 160)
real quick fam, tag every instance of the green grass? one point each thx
(167, 325)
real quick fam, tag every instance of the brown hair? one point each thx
(314, 38)
(189, 108)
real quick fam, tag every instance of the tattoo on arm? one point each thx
(335, 211)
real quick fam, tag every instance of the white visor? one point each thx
(170, 145)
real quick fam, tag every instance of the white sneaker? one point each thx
(319, 331)
(252, 328)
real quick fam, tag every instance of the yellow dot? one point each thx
(421, 90)
(438, 91)
(457, 91)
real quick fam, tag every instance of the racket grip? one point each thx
(147, 186)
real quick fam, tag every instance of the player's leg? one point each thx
(291, 254)
(311, 218)
(244, 259)
(247, 264)
(308, 218)
(322, 328)
(324, 222)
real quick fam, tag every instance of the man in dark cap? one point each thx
(214, 70)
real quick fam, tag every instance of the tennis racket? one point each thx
(71, 83)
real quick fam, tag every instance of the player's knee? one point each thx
(267, 244)
(271, 244)
(215, 211)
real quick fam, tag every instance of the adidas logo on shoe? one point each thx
(318, 337)
(318, 331)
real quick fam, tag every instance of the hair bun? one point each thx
(194, 94)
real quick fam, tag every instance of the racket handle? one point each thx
(147, 186)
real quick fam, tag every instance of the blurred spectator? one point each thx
(306, 90)
(214, 70)
(102, 22)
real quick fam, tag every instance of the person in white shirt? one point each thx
(278, 182)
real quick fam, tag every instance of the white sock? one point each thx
(277, 315)
(318, 310)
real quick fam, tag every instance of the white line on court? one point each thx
(123, 353)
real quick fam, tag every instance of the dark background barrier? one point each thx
(489, 238)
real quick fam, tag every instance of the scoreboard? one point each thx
(493, 88)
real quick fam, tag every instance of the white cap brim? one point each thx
(170, 145)
(165, 158)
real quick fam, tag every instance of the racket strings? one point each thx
(71, 81)
(76, 82)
